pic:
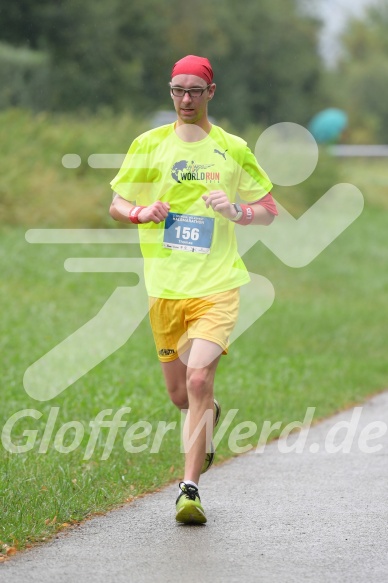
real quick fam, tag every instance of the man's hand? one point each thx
(155, 213)
(218, 201)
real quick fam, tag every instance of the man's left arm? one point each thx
(261, 212)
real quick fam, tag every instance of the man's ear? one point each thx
(212, 91)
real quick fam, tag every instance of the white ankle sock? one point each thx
(189, 483)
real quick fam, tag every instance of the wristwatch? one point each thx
(239, 212)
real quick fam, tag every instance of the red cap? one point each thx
(193, 65)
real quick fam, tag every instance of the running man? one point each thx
(179, 183)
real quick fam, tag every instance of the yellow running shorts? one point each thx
(178, 322)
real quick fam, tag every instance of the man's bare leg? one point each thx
(191, 387)
(175, 373)
(201, 369)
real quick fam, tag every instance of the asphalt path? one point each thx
(317, 515)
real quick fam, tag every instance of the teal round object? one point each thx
(328, 125)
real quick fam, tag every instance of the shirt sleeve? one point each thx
(254, 182)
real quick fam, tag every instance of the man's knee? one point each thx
(199, 382)
(178, 395)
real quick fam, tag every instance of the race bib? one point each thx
(188, 233)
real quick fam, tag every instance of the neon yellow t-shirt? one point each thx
(194, 252)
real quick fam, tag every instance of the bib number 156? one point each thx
(187, 233)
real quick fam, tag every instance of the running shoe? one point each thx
(209, 459)
(188, 505)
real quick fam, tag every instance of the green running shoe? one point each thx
(188, 505)
(209, 459)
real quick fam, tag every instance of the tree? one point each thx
(118, 54)
(21, 23)
(271, 67)
(362, 74)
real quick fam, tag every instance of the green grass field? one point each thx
(322, 344)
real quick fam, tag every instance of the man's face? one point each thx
(190, 108)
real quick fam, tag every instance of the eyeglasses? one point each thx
(193, 92)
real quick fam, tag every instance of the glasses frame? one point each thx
(202, 89)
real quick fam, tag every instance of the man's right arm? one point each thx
(120, 210)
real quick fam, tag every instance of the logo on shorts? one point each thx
(166, 351)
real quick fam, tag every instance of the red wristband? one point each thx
(247, 217)
(134, 213)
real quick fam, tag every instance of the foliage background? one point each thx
(70, 55)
